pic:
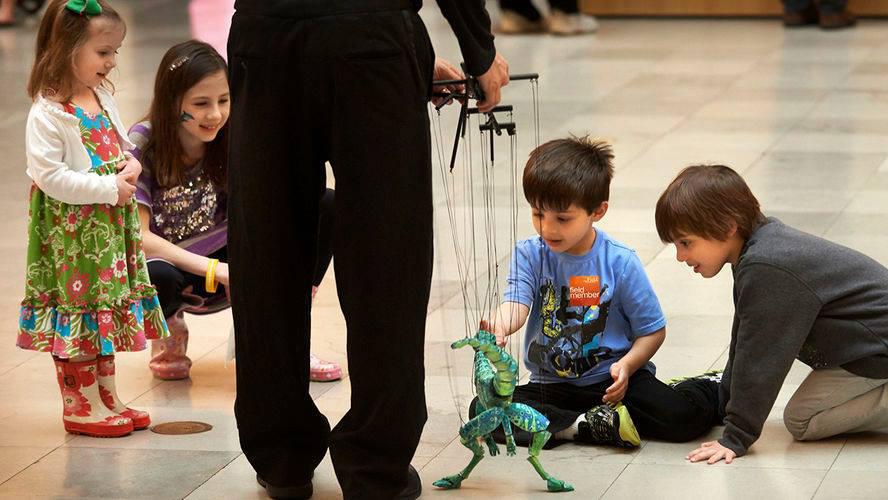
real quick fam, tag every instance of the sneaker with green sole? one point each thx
(711, 375)
(609, 424)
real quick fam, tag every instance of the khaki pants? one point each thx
(834, 401)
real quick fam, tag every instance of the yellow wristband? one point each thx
(211, 275)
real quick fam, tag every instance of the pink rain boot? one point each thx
(83, 411)
(168, 359)
(108, 392)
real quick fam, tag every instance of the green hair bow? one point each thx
(88, 7)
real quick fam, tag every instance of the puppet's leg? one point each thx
(469, 433)
(532, 421)
(552, 484)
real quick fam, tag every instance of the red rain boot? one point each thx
(108, 392)
(84, 413)
(168, 360)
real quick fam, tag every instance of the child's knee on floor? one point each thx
(796, 419)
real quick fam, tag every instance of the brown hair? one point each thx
(561, 172)
(705, 200)
(62, 32)
(183, 66)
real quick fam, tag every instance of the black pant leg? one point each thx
(671, 414)
(325, 235)
(169, 282)
(275, 181)
(382, 239)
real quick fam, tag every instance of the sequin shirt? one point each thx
(191, 215)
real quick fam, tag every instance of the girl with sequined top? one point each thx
(183, 143)
(87, 293)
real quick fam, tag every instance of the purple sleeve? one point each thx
(139, 134)
(143, 189)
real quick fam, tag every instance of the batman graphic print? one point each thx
(585, 310)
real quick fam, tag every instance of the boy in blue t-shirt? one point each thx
(593, 320)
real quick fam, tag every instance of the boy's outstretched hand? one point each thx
(617, 390)
(500, 338)
(712, 452)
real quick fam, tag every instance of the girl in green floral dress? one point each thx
(87, 292)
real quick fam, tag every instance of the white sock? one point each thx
(571, 432)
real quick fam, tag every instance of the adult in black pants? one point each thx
(344, 81)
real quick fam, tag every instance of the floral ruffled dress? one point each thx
(87, 289)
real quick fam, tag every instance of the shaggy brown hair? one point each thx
(562, 172)
(62, 33)
(705, 201)
(182, 67)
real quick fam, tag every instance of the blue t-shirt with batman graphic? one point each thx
(585, 310)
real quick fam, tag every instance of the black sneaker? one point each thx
(413, 488)
(711, 375)
(302, 491)
(609, 424)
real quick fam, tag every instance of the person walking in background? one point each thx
(829, 14)
(521, 16)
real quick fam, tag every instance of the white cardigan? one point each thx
(57, 160)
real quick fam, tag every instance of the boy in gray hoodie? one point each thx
(796, 296)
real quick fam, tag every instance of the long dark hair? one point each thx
(182, 67)
(62, 33)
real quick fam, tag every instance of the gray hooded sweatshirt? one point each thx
(798, 296)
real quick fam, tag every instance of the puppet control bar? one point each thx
(473, 91)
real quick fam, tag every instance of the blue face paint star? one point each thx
(185, 116)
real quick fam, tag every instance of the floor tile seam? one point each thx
(41, 457)
(712, 365)
(836, 458)
(9, 370)
(823, 479)
(165, 450)
(688, 116)
(438, 454)
(729, 467)
(445, 299)
(794, 123)
(614, 480)
(213, 475)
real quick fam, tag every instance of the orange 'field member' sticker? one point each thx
(585, 290)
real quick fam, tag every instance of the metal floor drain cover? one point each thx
(178, 428)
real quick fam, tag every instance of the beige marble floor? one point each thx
(803, 115)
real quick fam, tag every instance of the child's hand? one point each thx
(500, 338)
(222, 273)
(130, 167)
(617, 390)
(712, 452)
(125, 190)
